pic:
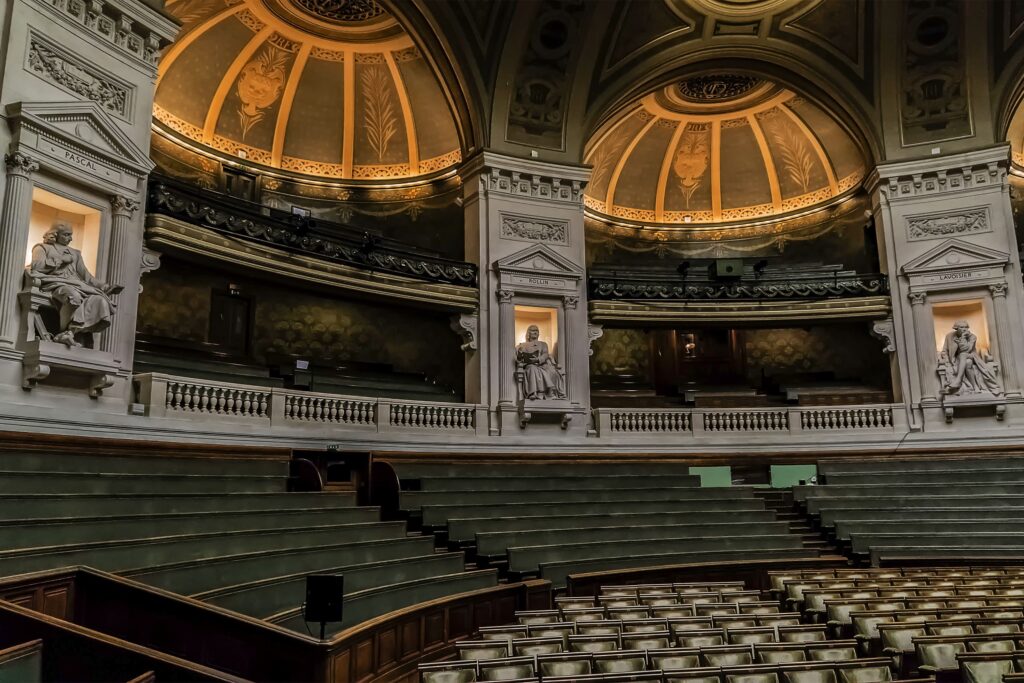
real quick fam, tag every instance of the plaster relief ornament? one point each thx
(259, 85)
(84, 301)
(965, 370)
(537, 373)
(691, 162)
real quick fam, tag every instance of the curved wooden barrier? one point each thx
(754, 573)
(120, 613)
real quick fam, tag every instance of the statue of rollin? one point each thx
(536, 371)
(84, 302)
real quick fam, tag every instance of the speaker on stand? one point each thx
(325, 595)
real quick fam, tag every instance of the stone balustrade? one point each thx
(291, 412)
(693, 423)
(167, 396)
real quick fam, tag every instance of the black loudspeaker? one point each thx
(324, 594)
(726, 269)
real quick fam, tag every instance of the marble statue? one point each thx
(963, 368)
(59, 271)
(536, 371)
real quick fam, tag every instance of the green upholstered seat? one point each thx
(933, 657)
(985, 671)
(767, 677)
(481, 650)
(781, 656)
(810, 676)
(621, 663)
(991, 645)
(670, 661)
(564, 666)
(506, 671)
(831, 654)
(865, 674)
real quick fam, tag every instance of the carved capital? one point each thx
(998, 289)
(466, 325)
(594, 332)
(570, 301)
(20, 164)
(505, 296)
(123, 206)
(885, 330)
(917, 298)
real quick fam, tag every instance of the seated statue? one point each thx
(59, 271)
(963, 368)
(536, 371)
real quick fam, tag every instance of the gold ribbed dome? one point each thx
(329, 88)
(719, 148)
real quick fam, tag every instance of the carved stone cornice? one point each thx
(935, 175)
(129, 26)
(529, 178)
(20, 164)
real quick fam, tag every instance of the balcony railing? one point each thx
(333, 241)
(643, 286)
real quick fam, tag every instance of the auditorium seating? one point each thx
(220, 529)
(892, 511)
(620, 635)
(549, 520)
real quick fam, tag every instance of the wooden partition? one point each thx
(117, 612)
(754, 573)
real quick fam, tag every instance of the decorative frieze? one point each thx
(73, 74)
(946, 224)
(534, 229)
(966, 177)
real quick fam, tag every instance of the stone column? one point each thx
(569, 304)
(506, 341)
(124, 267)
(924, 333)
(1007, 368)
(14, 223)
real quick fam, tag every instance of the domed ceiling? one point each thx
(720, 148)
(329, 88)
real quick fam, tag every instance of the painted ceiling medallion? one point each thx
(717, 87)
(342, 10)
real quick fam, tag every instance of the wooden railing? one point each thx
(117, 615)
(754, 573)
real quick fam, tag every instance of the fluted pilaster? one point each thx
(14, 224)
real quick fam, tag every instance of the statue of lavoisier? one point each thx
(538, 372)
(966, 370)
(85, 304)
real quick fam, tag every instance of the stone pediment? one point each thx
(539, 260)
(78, 138)
(956, 255)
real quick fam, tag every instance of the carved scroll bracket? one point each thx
(885, 331)
(466, 326)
